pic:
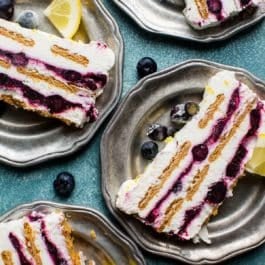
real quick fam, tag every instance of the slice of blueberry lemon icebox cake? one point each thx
(39, 239)
(203, 14)
(54, 77)
(191, 176)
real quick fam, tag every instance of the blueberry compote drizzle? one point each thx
(18, 247)
(90, 80)
(52, 249)
(199, 152)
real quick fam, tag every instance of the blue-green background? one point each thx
(18, 186)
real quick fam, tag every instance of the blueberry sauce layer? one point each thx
(89, 80)
(51, 247)
(199, 152)
(218, 191)
(54, 103)
(19, 249)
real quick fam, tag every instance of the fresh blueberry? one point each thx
(19, 59)
(28, 19)
(192, 108)
(71, 75)
(6, 9)
(178, 114)
(149, 150)
(146, 66)
(64, 184)
(157, 132)
(200, 152)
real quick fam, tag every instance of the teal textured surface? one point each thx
(246, 50)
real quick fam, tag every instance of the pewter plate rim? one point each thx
(86, 211)
(105, 160)
(79, 143)
(123, 5)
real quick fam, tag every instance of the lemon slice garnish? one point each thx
(65, 15)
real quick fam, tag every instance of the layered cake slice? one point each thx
(209, 13)
(194, 173)
(52, 76)
(38, 239)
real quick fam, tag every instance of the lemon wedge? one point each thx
(257, 162)
(65, 15)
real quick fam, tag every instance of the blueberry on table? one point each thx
(28, 19)
(157, 132)
(146, 66)
(149, 150)
(6, 9)
(64, 184)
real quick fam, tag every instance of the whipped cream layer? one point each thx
(191, 176)
(209, 13)
(38, 239)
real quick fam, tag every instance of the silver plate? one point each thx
(240, 224)
(27, 139)
(110, 247)
(164, 17)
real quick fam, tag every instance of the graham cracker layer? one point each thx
(197, 181)
(7, 258)
(80, 59)
(67, 233)
(173, 208)
(34, 74)
(17, 37)
(203, 8)
(153, 190)
(30, 242)
(211, 111)
(4, 64)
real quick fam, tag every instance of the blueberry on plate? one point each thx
(192, 108)
(6, 9)
(178, 114)
(149, 150)
(64, 184)
(28, 19)
(146, 66)
(171, 130)
(157, 132)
